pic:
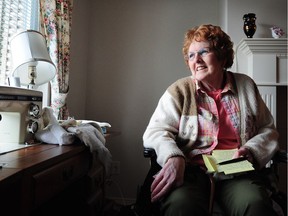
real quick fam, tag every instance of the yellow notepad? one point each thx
(218, 156)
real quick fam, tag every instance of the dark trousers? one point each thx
(242, 195)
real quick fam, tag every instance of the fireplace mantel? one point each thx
(263, 45)
(264, 59)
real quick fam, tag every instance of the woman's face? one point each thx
(204, 65)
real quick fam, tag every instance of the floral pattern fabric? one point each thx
(56, 20)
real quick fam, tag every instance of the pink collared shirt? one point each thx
(218, 119)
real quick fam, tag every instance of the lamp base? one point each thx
(31, 86)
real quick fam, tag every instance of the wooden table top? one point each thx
(36, 157)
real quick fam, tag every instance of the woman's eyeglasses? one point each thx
(202, 52)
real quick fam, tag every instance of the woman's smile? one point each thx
(200, 67)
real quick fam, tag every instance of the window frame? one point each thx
(15, 16)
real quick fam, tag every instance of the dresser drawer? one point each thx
(52, 181)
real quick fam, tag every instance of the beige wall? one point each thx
(126, 53)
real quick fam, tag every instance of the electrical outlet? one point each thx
(115, 168)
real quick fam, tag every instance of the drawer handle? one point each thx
(68, 174)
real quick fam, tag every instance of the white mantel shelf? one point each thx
(263, 45)
(265, 61)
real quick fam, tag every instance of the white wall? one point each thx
(79, 59)
(126, 53)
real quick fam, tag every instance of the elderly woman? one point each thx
(212, 109)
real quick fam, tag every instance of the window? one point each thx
(15, 16)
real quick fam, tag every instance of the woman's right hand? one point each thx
(169, 177)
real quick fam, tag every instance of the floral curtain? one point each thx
(56, 19)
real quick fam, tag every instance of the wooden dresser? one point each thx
(51, 180)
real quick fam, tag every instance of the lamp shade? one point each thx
(28, 49)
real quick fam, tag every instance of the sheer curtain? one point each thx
(55, 19)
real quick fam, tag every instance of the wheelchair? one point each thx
(144, 207)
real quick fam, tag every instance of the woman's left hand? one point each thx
(243, 152)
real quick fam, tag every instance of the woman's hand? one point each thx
(169, 177)
(244, 152)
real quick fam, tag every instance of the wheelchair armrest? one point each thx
(149, 153)
(280, 156)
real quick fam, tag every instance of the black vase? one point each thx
(249, 26)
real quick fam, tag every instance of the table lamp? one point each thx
(31, 60)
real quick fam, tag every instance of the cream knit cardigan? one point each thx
(173, 127)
